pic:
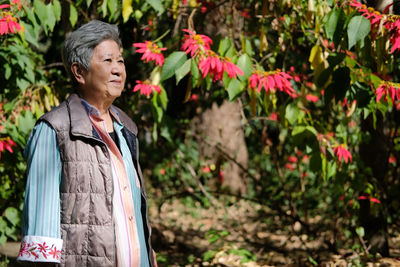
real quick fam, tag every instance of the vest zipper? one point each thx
(112, 190)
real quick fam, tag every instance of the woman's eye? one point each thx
(121, 61)
(108, 59)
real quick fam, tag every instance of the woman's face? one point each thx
(106, 77)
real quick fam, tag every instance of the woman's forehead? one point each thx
(108, 48)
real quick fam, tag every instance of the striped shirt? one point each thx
(41, 216)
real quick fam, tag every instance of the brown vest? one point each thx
(86, 189)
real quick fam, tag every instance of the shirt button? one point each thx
(125, 187)
(131, 218)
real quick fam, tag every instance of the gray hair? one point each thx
(79, 46)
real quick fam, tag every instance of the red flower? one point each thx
(272, 81)
(392, 159)
(212, 65)
(342, 153)
(4, 6)
(232, 69)
(7, 144)
(273, 116)
(206, 169)
(371, 199)
(55, 253)
(393, 25)
(312, 98)
(162, 171)
(289, 166)
(245, 14)
(194, 43)
(193, 97)
(368, 12)
(292, 159)
(9, 23)
(304, 175)
(387, 89)
(151, 52)
(146, 88)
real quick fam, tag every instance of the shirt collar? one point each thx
(90, 110)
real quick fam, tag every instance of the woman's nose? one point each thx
(117, 68)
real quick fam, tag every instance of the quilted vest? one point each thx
(86, 188)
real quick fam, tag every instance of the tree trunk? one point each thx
(221, 142)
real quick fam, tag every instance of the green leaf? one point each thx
(88, 2)
(313, 262)
(51, 19)
(73, 15)
(357, 30)
(334, 25)
(331, 22)
(302, 129)
(57, 9)
(7, 72)
(362, 93)
(103, 8)
(224, 45)
(41, 12)
(209, 255)
(173, 62)
(183, 70)
(331, 171)
(157, 5)
(234, 89)
(194, 71)
(138, 14)
(26, 123)
(248, 47)
(113, 8)
(163, 99)
(293, 113)
(3, 239)
(245, 64)
(12, 215)
(360, 231)
(31, 35)
(157, 110)
(22, 84)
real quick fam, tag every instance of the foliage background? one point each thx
(325, 146)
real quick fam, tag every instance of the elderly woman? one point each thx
(85, 203)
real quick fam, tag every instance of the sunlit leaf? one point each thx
(183, 70)
(235, 88)
(127, 9)
(157, 5)
(357, 30)
(73, 15)
(245, 64)
(173, 62)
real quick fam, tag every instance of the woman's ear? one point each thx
(79, 73)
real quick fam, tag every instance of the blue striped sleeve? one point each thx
(41, 241)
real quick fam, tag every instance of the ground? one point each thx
(239, 233)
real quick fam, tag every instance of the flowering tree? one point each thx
(317, 82)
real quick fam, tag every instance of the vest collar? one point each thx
(80, 122)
